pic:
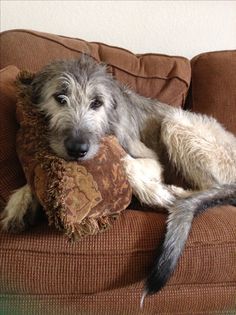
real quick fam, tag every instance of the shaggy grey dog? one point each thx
(83, 103)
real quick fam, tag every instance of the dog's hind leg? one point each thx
(20, 211)
(200, 148)
(205, 154)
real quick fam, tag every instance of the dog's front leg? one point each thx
(145, 178)
(20, 211)
(138, 149)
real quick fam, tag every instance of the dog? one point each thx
(83, 102)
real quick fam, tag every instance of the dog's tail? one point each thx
(179, 223)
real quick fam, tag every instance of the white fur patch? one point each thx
(17, 207)
(145, 177)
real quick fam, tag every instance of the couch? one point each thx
(42, 273)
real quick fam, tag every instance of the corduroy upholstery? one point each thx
(216, 71)
(11, 174)
(41, 273)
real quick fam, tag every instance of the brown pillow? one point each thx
(11, 173)
(80, 198)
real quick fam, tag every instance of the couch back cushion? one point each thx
(214, 86)
(153, 75)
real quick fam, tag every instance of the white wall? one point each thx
(169, 27)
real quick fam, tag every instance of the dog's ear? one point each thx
(86, 59)
(117, 92)
(35, 93)
(114, 103)
(37, 86)
(91, 64)
(25, 78)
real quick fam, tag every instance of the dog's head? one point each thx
(77, 97)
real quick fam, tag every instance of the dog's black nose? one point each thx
(76, 148)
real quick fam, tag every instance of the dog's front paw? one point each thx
(18, 212)
(145, 178)
(19, 221)
(12, 224)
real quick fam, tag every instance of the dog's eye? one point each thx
(61, 99)
(95, 104)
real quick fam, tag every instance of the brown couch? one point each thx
(42, 273)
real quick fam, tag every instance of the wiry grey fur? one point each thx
(197, 145)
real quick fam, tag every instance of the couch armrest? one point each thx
(214, 86)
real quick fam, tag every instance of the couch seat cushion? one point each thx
(42, 261)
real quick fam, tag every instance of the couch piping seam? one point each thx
(79, 51)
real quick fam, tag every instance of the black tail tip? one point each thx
(154, 285)
(158, 278)
(151, 287)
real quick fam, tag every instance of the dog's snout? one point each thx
(76, 148)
